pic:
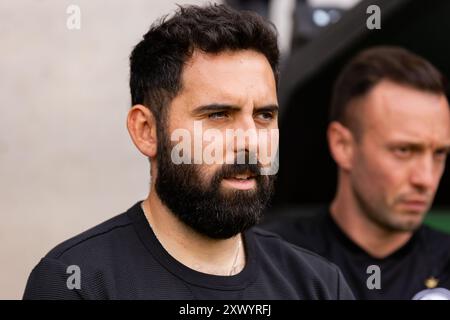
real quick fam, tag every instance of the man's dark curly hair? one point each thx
(156, 63)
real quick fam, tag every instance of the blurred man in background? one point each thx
(389, 135)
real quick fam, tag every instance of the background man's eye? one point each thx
(217, 115)
(441, 154)
(403, 151)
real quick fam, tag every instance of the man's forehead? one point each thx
(207, 69)
(231, 78)
(393, 109)
(199, 57)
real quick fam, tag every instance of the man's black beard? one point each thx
(202, 205)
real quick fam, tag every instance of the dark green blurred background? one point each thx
(439, 219)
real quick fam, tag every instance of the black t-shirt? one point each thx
(122, 259)
(402, 274)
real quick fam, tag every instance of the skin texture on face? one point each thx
(400, 156)
(228, 91)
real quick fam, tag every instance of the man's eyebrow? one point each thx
(270, 107)
(420, 146)
(445, 147)
(215, 107)
(416, 146)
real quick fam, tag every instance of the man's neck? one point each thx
(198, 252)
(372, 238)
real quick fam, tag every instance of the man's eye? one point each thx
(218, 115)
(265, 116)
(403, 152)
(441, 154)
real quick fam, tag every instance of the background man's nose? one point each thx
(423, 174)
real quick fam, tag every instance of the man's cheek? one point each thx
(268, 151)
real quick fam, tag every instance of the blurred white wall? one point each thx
(67, 162)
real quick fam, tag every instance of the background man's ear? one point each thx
(341, 144)
(141, 125)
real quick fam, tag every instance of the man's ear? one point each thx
(341, 144)
(141, 125)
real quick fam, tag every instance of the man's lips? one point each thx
(243, 181)
(415, 204)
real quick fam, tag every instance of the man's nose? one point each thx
(247, 133)
(245, 140)
(423, 173)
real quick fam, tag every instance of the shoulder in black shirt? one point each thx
(403, 274)
(122, 259)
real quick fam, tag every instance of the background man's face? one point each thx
(229, 90)
(401, 155)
